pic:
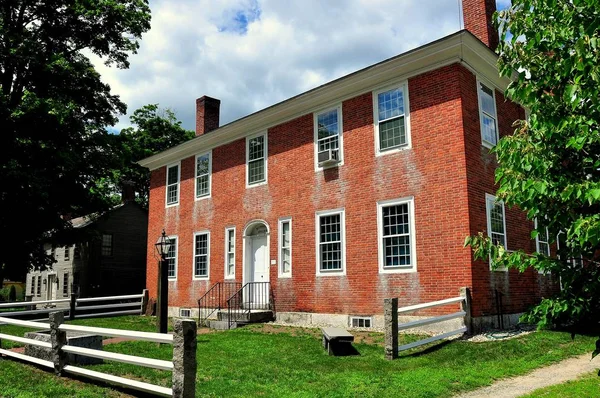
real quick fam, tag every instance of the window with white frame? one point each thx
(67, 253)
(171, 258)
(201, 256)
(330, 239)
(328, 138)
(285, 247)
(39, 286)
(107, 245)
(256, 155)
(230, 253)
(496, 221)
(65, 284)
(203, 170)
(390, 117)
(32, 287)
(487, 114)
(542, 240)
(396, 235)
(172, 185)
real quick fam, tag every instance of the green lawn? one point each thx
(587, 386)
(272, 361)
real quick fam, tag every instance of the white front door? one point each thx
(258, 293)
(51, 290)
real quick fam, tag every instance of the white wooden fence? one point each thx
(183, 364)
(392, 327)
(80, 308)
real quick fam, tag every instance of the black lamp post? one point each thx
(162, 248)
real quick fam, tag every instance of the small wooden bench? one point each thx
(333, 337)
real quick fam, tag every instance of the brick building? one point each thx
(361, 189)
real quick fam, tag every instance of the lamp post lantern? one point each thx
(162, 248)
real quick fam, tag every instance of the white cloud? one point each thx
(253, 53)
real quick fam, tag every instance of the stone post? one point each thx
(390, 320)
(144, 301)
(58, 338)
(184, 358)
(466, 307)
(72, 306)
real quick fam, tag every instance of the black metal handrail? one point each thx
(215, 299)
(251, 296)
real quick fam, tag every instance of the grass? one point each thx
(277, 361)
(587, 386)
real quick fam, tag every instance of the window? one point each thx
(230, 253)
(328, 137)
(32, 287)
(171, 258)
(360, 322)
(395, 222)
(285, 247)
(330, 242)
(542, 240)
(107, 245)
(173, 185)
(39, 286)
(256, 155)
(201, 257)
(496, 221)
(185, 313)
(67, 253)
(391, 119)
(203, 175)
(65, 284)
(487, 115)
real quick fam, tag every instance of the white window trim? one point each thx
(537, 245)
(174, 278)
(209, 195)
(489, 197)
(337, 107)
(404, 86)
(178, 164)
(266, 157)
(413, 245)
(480, 109)
(280, 272)
(318, 215)
(225, 266)
(194, 276)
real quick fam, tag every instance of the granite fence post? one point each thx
(184, 358)
(58, 338)
(390, 319)
(144, 301)
(466, 307)
(72, 306)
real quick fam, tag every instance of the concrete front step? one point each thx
(253, 317)
(222, 325)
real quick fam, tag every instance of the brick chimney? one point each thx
(127, 192)
(207, 114)
(477, 16)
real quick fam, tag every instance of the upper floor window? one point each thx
(65, 284)
(542, 240)
(67, 253)
(285, 247)
(256, 156)
(391, 119)
(230, 253)
(496, 220)
(487, 115)
(171, 258)
(328, 137)
(330, 242)
(201, 255)
(203, 175)
(173, 185)
(32, 287)
(107, 244)
(396, 235)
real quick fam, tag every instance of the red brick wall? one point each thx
(477, 16)
(436, 171)
(519, 291)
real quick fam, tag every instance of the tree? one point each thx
(53, 112)
(550, 166)
(155, 131)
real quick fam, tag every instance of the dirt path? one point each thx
(559, 373)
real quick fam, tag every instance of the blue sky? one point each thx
(253, 53)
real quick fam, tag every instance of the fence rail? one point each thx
(183, 366)
(392, 327)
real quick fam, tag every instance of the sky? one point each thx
(251, 54)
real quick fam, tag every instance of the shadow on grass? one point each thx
(344, 350)
(427, 351)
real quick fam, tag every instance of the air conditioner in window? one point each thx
(329, 156)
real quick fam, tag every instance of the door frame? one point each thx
(247, 250)
(51, 290)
